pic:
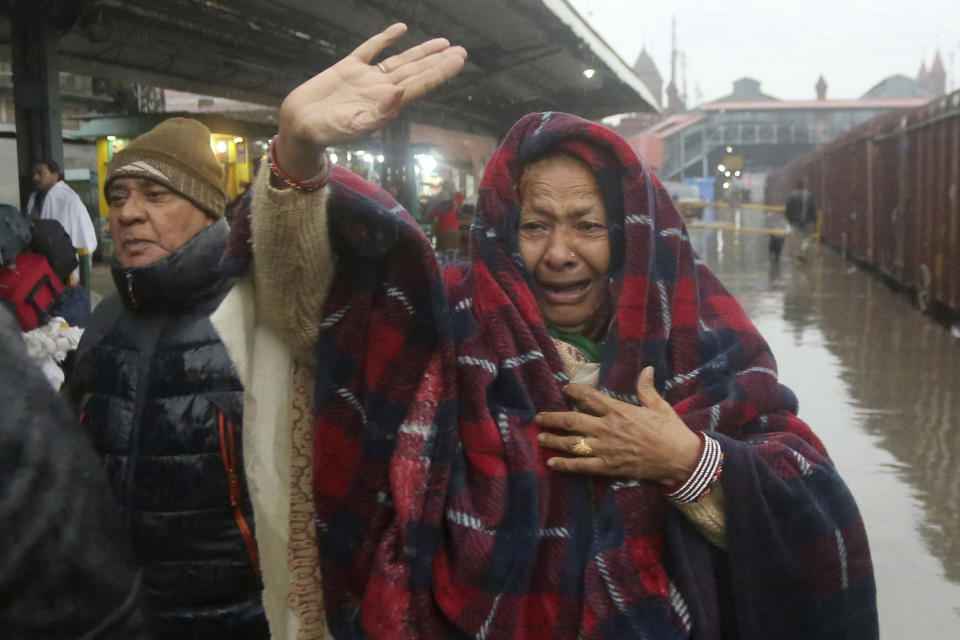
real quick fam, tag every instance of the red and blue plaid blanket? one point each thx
(436, 514)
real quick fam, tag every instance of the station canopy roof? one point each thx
(524, 55)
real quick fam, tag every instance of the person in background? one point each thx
(66, 569)
(159, 396)
(801, 213)
(443, 208)
(55, 200)
(579, 434)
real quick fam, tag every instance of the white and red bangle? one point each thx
(316, 182)
(704, 476)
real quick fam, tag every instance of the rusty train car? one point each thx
(889, 192)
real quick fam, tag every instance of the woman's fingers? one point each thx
(433, 71)
(566, 443)
(589, 398)
(372, 47)
(593, 466)
(568, 421)
(648, 393)
(403, 65)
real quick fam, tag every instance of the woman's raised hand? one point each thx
(620, 439)
(355, 97)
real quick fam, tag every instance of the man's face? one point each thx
(43, 178)
(148, 221)
(564, 240)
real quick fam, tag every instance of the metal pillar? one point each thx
(704, 166)
(398, 165)
(36, 90)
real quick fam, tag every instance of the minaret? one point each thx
(937, 77)
(674, 104)
(922, 78)
(647, 71)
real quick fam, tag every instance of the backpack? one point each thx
(73, 305)
(14, 233)
(53, 242)
(33, 286)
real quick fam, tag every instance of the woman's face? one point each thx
(564, 240)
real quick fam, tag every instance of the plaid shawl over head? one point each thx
(437, 516)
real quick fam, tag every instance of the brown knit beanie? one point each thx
(176, 153)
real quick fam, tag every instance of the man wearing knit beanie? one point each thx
(160, 397)
(172, 167)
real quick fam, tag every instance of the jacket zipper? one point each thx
(152, 335)
(128, 276)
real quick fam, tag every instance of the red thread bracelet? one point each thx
(318, 182)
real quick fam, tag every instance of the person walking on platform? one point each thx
(159, 396)
(801, 213)
(55, 200)
(443, 209)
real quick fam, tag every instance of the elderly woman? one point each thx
(579, 434)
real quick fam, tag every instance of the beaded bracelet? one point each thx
(704, 476)
(314, 183)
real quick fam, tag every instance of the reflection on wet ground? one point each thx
(880, 384)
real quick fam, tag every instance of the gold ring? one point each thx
(582, 448)
(381, 67)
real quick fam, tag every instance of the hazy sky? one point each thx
(784, 45)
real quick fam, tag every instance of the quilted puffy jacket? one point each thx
(155, 388)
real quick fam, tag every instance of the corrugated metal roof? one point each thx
(525, 55)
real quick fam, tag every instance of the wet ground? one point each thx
(880, 384)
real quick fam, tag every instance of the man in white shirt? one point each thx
(55, 200)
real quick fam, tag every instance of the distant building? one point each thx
(929, 84)
(762, 132)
